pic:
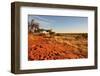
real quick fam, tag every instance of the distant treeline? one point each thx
(76, 35)
(71, 33)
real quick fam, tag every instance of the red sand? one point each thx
(42, 48)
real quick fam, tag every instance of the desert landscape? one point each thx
(44, 44)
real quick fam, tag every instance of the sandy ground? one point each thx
(52, 48)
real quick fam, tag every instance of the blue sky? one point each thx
(61, 24)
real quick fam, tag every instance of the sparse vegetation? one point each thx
(52, 45)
